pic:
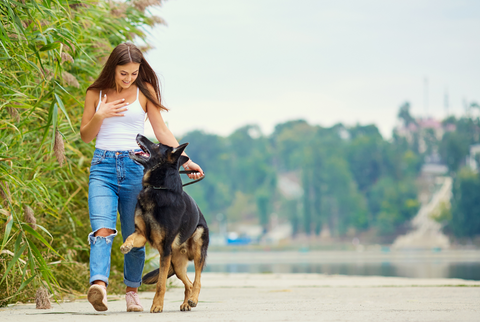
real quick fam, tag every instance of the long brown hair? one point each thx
(129, 53)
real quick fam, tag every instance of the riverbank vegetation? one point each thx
(348, 180)
(50, 52)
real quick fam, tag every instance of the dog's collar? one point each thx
(155, 187)
(183, 185)
(159, 188)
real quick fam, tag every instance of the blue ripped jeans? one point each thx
(115, 181)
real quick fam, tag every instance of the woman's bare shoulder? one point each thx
(92, 97)
(93, 92)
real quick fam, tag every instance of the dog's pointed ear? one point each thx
(177, 153)
(179, 149)
(182, 160)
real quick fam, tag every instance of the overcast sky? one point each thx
(224, 64)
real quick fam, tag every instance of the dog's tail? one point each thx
(152, 277)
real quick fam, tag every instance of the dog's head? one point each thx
(155, 156)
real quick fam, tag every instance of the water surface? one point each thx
(414, 264)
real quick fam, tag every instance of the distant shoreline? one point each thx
(343, 256)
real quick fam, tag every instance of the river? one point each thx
(464, 264)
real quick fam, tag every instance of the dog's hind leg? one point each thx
(180, 261)
(157, 305)
(200, 245)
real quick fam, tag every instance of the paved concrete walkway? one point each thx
(287, 297)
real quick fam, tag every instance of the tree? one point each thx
(404, 114)
(288, 143)
(343, 203)
(453, 149)
(392, 203)
(465, 220)
(365, 156)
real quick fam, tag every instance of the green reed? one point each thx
(50, 51)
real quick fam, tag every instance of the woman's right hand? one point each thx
(111, 109)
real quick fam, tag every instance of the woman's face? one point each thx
(125, 75)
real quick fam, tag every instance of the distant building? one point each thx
(420, 129)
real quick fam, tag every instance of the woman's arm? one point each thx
(91, 120)
(165, 136)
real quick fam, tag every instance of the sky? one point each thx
(225, 64)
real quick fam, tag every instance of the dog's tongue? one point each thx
(143, 154)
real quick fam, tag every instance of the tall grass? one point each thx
(50, 51)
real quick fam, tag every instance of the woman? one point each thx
(115, 108)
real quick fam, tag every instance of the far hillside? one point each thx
(340, 182)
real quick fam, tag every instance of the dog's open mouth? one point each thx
(144, 153)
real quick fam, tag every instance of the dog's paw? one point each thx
(125, 249)
(156, 309)
(192, 303)
(185, 307)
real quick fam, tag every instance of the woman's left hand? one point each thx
(190, 165)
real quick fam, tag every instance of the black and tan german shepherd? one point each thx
(169, 220)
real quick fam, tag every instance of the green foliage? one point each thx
(288, 142)
(453, 149)
(393, 203)
(465, 218)
(404, 114)
(50, 51)
(365, 156)
(343, 207)
(238, 168)
(351, 177)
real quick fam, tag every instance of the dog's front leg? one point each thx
(137, 239)
(157, 305)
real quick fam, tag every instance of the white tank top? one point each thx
(119, 133)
